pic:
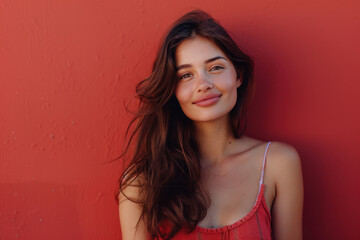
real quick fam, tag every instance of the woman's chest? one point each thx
(233, 196)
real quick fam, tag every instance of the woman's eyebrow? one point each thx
(214, 58)
(207, 61)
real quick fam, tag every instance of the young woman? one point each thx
(193, 173)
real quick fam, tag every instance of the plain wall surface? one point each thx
(67, 66)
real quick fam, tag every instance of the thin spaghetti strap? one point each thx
(264, 161)
(263, 167)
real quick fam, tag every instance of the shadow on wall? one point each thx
(294, 102)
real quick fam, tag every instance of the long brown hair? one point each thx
(166, 161)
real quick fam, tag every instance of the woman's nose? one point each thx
(204, 82)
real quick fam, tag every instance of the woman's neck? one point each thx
(214, 140)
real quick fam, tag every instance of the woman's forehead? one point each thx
(197, 49)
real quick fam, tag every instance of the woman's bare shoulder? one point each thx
(280, 156)
(131, 188)
(278, 151)
(283, 162)
(283, 153)
(130, 210)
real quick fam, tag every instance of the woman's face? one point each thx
(206, 89)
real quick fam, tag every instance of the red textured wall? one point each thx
(67, 66)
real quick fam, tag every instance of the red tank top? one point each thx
(255, 225)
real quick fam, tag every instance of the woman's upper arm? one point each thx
(129, 213)
(287, 209)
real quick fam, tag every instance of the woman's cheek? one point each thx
(183, 93)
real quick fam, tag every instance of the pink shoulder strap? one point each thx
(263, 167)
(264, 161)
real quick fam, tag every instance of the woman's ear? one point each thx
(238, 82)
(239, 79)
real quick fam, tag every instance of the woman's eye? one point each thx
(216, 68)
(186, 75)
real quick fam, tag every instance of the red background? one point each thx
(67, 66)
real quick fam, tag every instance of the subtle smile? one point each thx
(207, 100)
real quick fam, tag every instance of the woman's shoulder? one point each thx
(130, 209)
(283, 162)
(280, 156)
(279, 151)
(131, 188)
(283, 169)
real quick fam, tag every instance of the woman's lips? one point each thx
(208, 100)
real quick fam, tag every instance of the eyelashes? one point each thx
(187, 75)
(216, 68)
